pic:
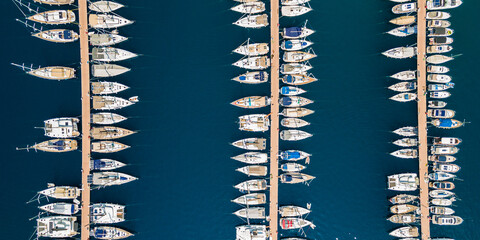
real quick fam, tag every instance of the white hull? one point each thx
(110, 54)
(294, 122)
(105, 39)
(252, 158)
(294, 101)
(251, 213)
(107, 87)
(294, 10)
(405, 153)
(292, 167)
(297, 56)
(443, 201)
(437, 69)
(447, 4)
(294, 68)
(253, 63)
(296, 112)
(293, 2)
(249, 8)
(105, 164)
(252, 185)
(253, 21)
(293, 211)
(107, 21)
(403, 86)
(110, 103)
(295, 44)
(107, 213)
(294, 155)
(405, 75)
(291, 91)
(60, 208)
(252, 49)
(436, 104)
(254, 123)
(406, 131)
(106, 118)
(111, 178)
(294, 135)
(251, 199)
(401, 52)
(295, 223)
(406, 142)
(108, 70)
(57, 227)
(104, 6)
(437, 15)
(438, 59)
(404, 97)
(403, 31)
(252, 77)
(403, 182)
(440, 94)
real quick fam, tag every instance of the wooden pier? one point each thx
(274, 132)
(422, 119)
(85, 83)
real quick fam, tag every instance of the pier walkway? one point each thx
(85, 83)
(422, 119)
(274, 132)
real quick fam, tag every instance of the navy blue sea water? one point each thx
(186, 123)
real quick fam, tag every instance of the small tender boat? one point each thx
(55, 2)
(451, 141)
(251, 143)
(403, 182)
(439, 32)
(406, 131)
(292, 211)
(252, 158)
(53, 73)
(293, 2)
(60, 208)
(110, 178)
(105, 164)
(297, 56)
(296, 112)
(252, 185)
(254, 123)
(403, 31)
(440, 176)
(440, 40)
(65, 127)
(253, 170)
(57, 35)
(134, 99)
(440, 87)
(294, 135)
(253, 63)
(107, 213)
(252, 49)
(294, 101)
(295, 44)
(405, 75)
(439, 49)
(446, 167)
(55, 145)
(404, 97)
(251, 199)
(405, 232)
(446, 123)
(445, 219)
(105, 39)
(294, 10)
(443, 201)
(437, 69)
(252, 102)
(292, 167)
(108, 70)
(295, 177)
(406, 142)
(251, 213)
(249, 7)
(404, 8)
(402, 218)
(298, 79)
(104, 6)
(438, 59)
(294, 223)
(108, 233)
(109, 132)
(403, 86)
(111, 54)
(440, 113)
(291, 91)
(107, 87)
(293, 155)
(294, 122)
(441, 210)
(438, 23)
(401, 52)
(54, 17)
(61, 192)
(252, 77)
(440, 193)
(109, 103)
(106, 118)
(296, 32)
(251, 231)
(406, 153)
(442, 158)
(443, 4)
(437, 15)
(440, 94)
(107, 21)
(402, 208)
(441, 185)
(402, 199)
(403, 20)
(253, 21)
(57, 227)
(436, 104)
(108, 147)
(295, 68)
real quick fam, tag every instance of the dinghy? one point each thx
(252, 158)
(252, 77)
(404, 97)
(436, 104)
(294, 122)
(294, 135)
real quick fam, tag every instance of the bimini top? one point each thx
(293, 31)
(290, 155)
(446, 122)
(286, 101)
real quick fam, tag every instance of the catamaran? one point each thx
(65, 127)
(293, 155)
(295, 44)
(291, 91)
(253, 63)
(109, 233)
(110, 178)
(295, 68)
(104, 6)
(295, 177)
(110, 103)
(54, 17)
(253, 21)
(60, 208)
(293, 211)
(107, 21)
(438, 15)
(403, 86)
(406, 131)
(437, 69)
(297, 56)
(253, 7)
(106, 118)
(294, 135)
(108, 147)
(251, 143)
(403, 182)
(61, 192)
(403, 31)
(109, 132)
(57, 35)
(107, 87)
(111, 54)
(404, 97)
(405, 75)
(294, 101)
(251, 199)
(252, 185)
(252, 232)
(294, 223)
(105, 164)
(292, 167)
(401, 52)
(57, 227)
(55, 2)
(107, 213)
(252, 77)
(254, 123)
(294, 10)
(105, 39)
(404, 8)
(252, 102)
(294, 122)
(406, 142)
(108, 70)
(298, 79)
(443, 4)
(251, 213)
(406, 153)
(296, 112)
(253, 170)
(252, 158)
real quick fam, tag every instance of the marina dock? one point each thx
(85, 83)
(274, 132)
(422, 119)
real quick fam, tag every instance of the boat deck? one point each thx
(85, 84)
(274, 132)
(422, 119)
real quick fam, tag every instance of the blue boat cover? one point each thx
(288, 155)
(99, 233)
(285, 90)
(446, 122)
(288, 79)
(288, 44)
(123, 178)
(441, 113)
(437, 3)
(67, 34)
(288, 178)
(286, 101)
(260, 76)
(243, 78)
(442, 158)
(293, 31)
(73, 209)
(98, 164)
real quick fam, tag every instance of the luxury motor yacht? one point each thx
(445, 168)
(439, 94)
(446, 220)
(451, 141)
(440, 40)
(439, 32)
(442, 158)
(439, 78)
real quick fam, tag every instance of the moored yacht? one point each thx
(406, 142)
(291, 91)
(107, 213)
(446, 141)
(403, 20)
(441, 185)
(253, 21)
(298, 79)
(251, 143)
(440, 40)
(251, 199)
(252, 77)
(295, 68)
(254, 123)
(294, 122)
(439, 49)
(439, 78)
(297, 56)
(441, 210)
(404, 97)
(403, 86)
(442, 150)
(446, 123)
(252, 158)
(440, 194)
(406, 131)
(108, 70)
(443, 4)
(405, 75)
(53, 73)
(65, 127)
(436, 104)
(403, 31)
(292, 211)
(403, 198)
(293, 155)
(292, 167)
(61, 192)
(109, 132)
(252, 232)
(401, 52)
(403, 208)
(439, 94)
(293, 2)
(437, 69)
(60, 208)
(438, 59)
(440, 87)
(252, 185)
(294, 135)
(295, 177)
(107, 21)
(107, 87)
(294, 223)
(109, 103)
(252, 7)
(443, 201)
(251, 213)
(404, 8)
(438, 15)
(442, 158)
(402, 218)
(105, 39)
(55, 2)
(295, 44)
(253, 63)
(106, 118)
(446, 220)
(105, 164)
(440, 113)
(405, 232)
(253, 170)
(55, 145)
(104, 6)
(296, 32)
(57, 227)
(440, 176)
(110, 178)
(109, 233)
(57, 35)
(108, 147)
(252, 49)
(445, 168)
(403, 182)
(111, 54)
(294, 101)
(438, 23)
(54, 17)
(294, 10)
(405, 153)
(252, 102)
(439, 32)
(296, 112)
